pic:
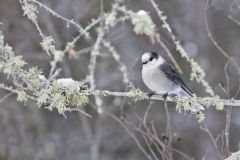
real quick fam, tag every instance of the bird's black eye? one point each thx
(151, 59)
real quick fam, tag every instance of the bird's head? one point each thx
(151, 58)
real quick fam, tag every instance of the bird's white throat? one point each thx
(160, 60)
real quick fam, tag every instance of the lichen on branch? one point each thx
(32, 84)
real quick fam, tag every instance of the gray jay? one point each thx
(161, 78)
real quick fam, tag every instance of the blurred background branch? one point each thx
(93, 66)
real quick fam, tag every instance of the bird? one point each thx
(161, 78)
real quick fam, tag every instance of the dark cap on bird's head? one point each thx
(149, 56)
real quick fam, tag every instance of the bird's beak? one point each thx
(144, 62)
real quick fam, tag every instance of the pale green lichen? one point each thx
(111, 19)
(62, 99)
(48, 44)
(77, 99)
(58, 55)
(14, 65)
(42, 97)
(63, 95)
(22, 96)
(183, 104)
(195, 105)
(197, 72)
(200, 116)
(143, 23)
(219, 104)
(58, 101)
(30, 11)
(207, 101)
(67, 94)
(234, 156)
(212, 101)
(9, 63)
(69, 85)
(189, 103)
(33, 78)
(192, 104)
(136, 94)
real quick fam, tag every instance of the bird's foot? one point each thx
(150, 94)
(165, 96)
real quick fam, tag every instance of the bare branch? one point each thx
(168, 53)
(210, 34)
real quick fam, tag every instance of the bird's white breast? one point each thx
(156, 80)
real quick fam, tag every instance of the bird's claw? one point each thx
(165, 96)
(150, 94)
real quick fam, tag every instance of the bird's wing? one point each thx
(174, 77)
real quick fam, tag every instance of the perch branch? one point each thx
(226, 102)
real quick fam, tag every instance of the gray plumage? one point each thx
(174, 77)
(161, 78)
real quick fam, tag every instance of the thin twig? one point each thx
(238, 91)
(146, 112)
(168, 130)
(132, 135)
(205, 129)
(234, 20)
(210, 34)
(81, 30)
(6, 96)
(228, 113)
(168, 53)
